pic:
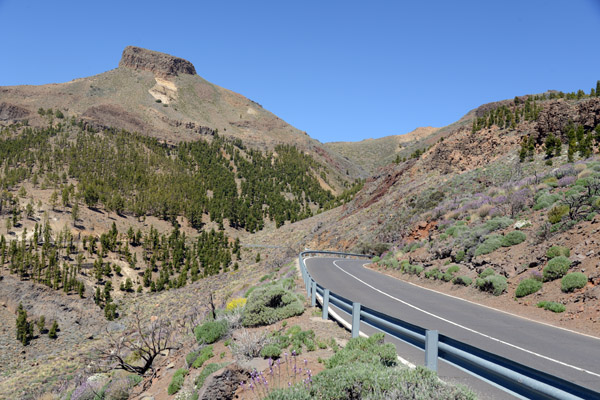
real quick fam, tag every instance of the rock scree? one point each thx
(160, 64)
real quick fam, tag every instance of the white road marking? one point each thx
(488, 307)
(462, 326)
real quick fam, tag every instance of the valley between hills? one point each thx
(147, 201)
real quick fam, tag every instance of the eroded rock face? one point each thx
(160, 64)
(12, 112)
(223, 383)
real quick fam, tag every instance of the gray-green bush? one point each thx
(556, 251)
(491, 243)
(370, 350)
(270, 351)
(270, 304)
(202, 356)
(551, 306)
(513, 238)
(556, 268)
(414, 269)
(495, 284)
(206, 371)
(572, 281)
(211, 331)
(545, 199)
(527, 287)
(462, 280)
(487, 272)
(177, 381)
(433, 273)
(374, 382)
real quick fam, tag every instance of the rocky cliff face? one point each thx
(555, 117)
(160, 64)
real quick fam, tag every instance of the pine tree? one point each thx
(41, 324)
(24, 327)
(53, 330)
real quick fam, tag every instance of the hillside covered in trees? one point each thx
(134, 174)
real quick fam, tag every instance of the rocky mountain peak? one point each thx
(159, 63)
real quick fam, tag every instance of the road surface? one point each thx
(558, 352)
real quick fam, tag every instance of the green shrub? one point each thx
(375, 259)
(249, 291)
(270, 351)
(556, 268)
(206, 371)
(205, 354)
(498, 223)
(191, 357)
(572, 281)
(370, 350)
(491, 243)
(177, 381)
(527, 287)
(462, 280)
(211, 331)
(495, 284)
(545, 200)
(460, 256)
(270, 304)
(449, 274)
(365, 381)
(557, 213)
(487, 272)
(414, 269)
(513, 238)
(556, 251)
(551, 306)
(453, 269)
(433, 273)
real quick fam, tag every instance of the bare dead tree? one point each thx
(211, 304)
(192, 319)
(146, 340)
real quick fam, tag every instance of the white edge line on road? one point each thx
(488, 307)
(464, 327)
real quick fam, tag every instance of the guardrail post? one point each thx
(313, 294)
(325, 304)
(431, 350)
(355, 319)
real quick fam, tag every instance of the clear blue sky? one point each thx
(340, 70)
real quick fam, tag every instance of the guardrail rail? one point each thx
(504, 373)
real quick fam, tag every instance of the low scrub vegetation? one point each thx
(552, 306)
(556, 268)
(527, 287)
(196, 359)
(177, 381)
(366, 368)
(271, 303)
(572, 281)
(462, 280)
(495, 284)
(556, 251)
(211, 331)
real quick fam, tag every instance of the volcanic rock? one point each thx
(160, 64)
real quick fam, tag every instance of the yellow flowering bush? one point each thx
(238, 302)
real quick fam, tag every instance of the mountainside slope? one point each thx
(371, 154)
(162, 96)
(496, 191)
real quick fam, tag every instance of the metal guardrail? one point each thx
(506, 374)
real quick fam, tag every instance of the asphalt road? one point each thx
(559, 352)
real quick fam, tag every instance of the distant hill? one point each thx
(371, 154)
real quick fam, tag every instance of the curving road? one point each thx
(559, 352)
